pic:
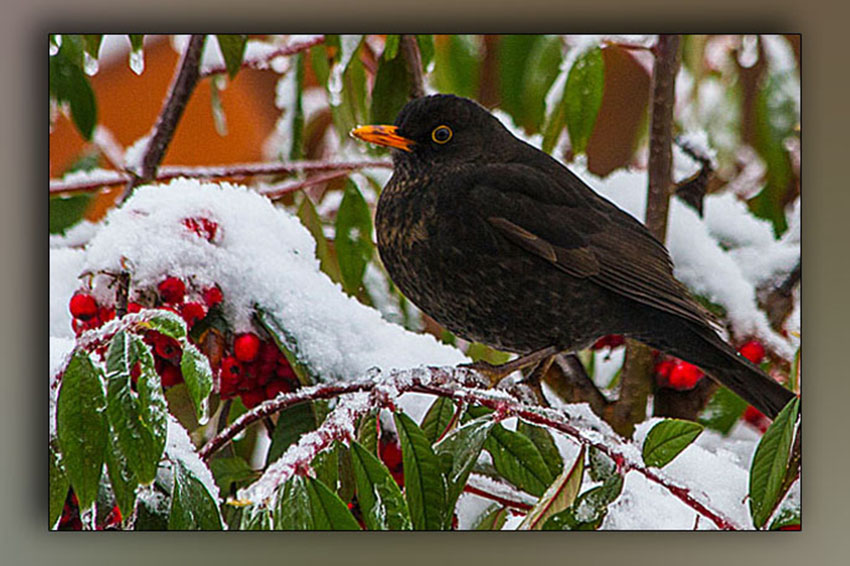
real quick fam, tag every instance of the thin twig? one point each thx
(179, 93)
(276, 191)
(233, 171)
(413, 62)
(262, 63)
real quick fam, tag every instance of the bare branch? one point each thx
(413, 61)
(261, 63)
(179, 93)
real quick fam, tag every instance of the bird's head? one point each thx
(440, 130)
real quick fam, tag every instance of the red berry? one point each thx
(285, 372)
(83, 306)
(246, 347)
(753, 351)
(253, 397)
(134, 307)
(172, 289)
(166, 347)
(135, 372)
(269, 352)
(171, 375)
(390, 453)
(203, 227)
(663, 368)
(756, 418)
(192, 313)
(105, 314)
(684, 376)
(276, 387)
(231, 376)
(212, 296)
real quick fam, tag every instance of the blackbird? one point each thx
(502, 244)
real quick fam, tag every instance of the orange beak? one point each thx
(383, 135)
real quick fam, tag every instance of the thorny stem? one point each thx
(234, 171)
(413, 62)
(179, 93)
(261, 63)
(462, 386)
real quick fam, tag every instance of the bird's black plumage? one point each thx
(502, 244)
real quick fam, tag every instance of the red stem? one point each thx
(498, 499)
(262, 62)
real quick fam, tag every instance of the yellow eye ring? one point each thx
(441, 134)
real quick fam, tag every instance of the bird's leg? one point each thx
(536, 376)
(495, 373)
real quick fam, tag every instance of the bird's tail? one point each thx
(723, 364)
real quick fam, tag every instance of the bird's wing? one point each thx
(563, 221)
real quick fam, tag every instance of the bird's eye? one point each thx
(441, 134)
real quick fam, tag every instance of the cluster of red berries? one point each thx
(70, 518)
(678, 374)
(171, 295)
(389, 451)
(257, 370)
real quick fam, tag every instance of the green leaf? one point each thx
(477, 351)
(138, 418)
(583, 97)
(353, 239)
(426, 49)
(528, 65)
(232, 48)
(197, 374)
(310, 219)
(92, 44)
(255, 518)
(558, 496)
(137, 41)
(294, 511)
(293, 422)
(493, 520)
(390, 92)
(461, 448)
(229, 471)
(58, 485)
(723, 411)
(64, 212)
(542, 439)
(81, 427)
(326, 466)
(424, 484)
(68, 83)
(379, 496)
(438, 418)
(328, 510)
(458, 61)
(296, 150)
(391, 47)
(193, 508)
(600, 466)
(770, 467)
(166, 322)
(786, 517)
(518, 460)
(667, 439)
(121, 477)
(589, 509)
(287, 344)
(367, 433)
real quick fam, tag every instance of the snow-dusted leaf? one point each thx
(293, 422)
(166, 322)
(589, 509)
(328, 510)
(424, 484)
(559, 496)
(92, 43)
(667, 439)
(293, 511)
(198, 377)
(121, 477)
(58, 485)
(81, 426)
(353, 239)
(326, 466)
(255, 519)
(232, 48)
(379, 496)
(583, 96)
(518, 460)
(287, 344)
(461, 448)
(786, 519)
(493, 520)
(542, 439)
(770, 467)
(192, 506)
(137, 41)
(68, 83)
(137, 417)
(438, 418)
